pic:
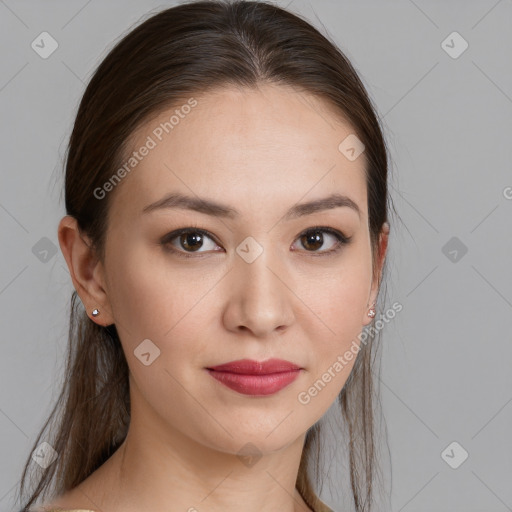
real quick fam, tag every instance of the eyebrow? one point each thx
(213, 208)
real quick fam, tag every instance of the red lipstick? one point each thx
(256, 378)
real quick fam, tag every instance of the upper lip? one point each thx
(250, 367)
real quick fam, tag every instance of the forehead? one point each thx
(260, 147)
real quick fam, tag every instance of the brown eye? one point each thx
(315, 238)
(312, 241)
(187, 241)
(191, 241)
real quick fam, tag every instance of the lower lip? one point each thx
(255, 384)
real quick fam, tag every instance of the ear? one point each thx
(382, 249)
(86, 271)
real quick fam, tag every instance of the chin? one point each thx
(256, 441)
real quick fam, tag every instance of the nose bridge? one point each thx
(260, 300)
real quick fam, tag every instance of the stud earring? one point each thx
(95, 312)
(371, 312)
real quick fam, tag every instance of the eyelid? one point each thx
(335, 232)
(166, 239)
(342, 240)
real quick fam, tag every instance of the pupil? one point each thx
(316, 239)
(191, 240)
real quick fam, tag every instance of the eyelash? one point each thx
(342, 240)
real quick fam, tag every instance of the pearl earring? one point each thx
(95, 312)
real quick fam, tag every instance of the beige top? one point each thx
(322, 504)
(84, 510)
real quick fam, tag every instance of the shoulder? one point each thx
(62, 504)
(71, 500)
(56, 508)
(49, 508)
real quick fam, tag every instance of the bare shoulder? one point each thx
(70, 501)
(50, 508)
(58, 508)
(93, 494)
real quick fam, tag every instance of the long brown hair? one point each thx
(174, 54)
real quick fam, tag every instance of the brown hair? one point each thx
(185, 50)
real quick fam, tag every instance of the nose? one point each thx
(259, 297)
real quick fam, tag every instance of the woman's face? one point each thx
(261, 283)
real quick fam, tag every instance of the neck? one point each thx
(158, 468)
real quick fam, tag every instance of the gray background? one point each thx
(446, 361)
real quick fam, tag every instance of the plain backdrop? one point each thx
(440, 76)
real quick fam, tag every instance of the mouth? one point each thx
(255, 378)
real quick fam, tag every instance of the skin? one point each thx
(260, 151)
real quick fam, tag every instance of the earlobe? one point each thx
(85, 268)
(383, 245)
(370, 313)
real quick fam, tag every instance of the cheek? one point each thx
(145, 301)
(337, 305)
(338, 298)
(152, 299)
(152, 303)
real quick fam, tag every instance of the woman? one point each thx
(226, 230)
